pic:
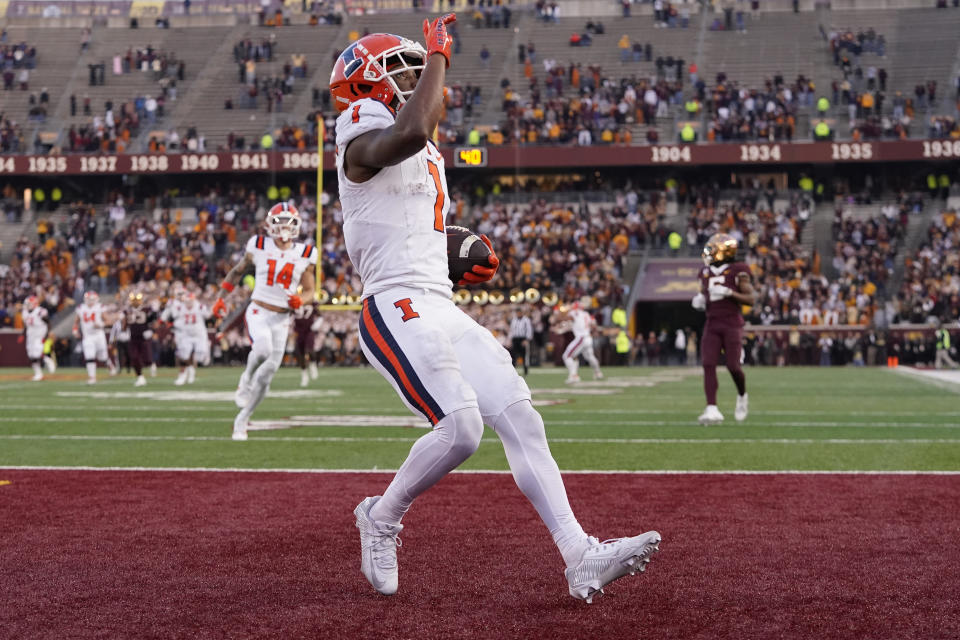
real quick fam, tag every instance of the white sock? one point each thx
(434, 455)
(254, 360)
(537, 475)
(92, 369)
(36, 369)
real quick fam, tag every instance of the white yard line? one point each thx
(257, 438)
(620, 423)
(651, 472)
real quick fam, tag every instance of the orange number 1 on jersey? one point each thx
(284, 278)
(441, 198)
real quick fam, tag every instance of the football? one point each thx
(464, 250)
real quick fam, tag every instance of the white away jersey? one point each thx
(35, 321)
(187, 321)
(91, 318)
(278, 271)
(394, 223)
(582, 322)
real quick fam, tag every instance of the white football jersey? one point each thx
(394, 223)
(35, 321)
(91, 318)
(187, 321)
(278, 271)
(582, 322)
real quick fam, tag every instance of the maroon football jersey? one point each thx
(727, 309)
(303, 318)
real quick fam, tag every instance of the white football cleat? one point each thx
(599, 376)
(313, 371)
(91, 381)
(378, 549)
(572, 379)
(240, 429)
(740, 413)
(141, 382)
(602, 563)
(304, 378)
(710, 415)
(181, 379)
(37, 377)
(242, 396)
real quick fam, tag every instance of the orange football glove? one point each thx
(436, 37)
(294, 301)
(480, 273)
(219, 308)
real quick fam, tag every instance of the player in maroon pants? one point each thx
(724, 287)
(138, 319)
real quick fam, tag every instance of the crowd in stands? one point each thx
(931, 283)
(741, 113)
(271, 88)
(599, 111)
(11, 136)
(571, 245)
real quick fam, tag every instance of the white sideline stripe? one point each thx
(135, 438)
(650, 472)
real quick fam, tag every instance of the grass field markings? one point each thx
(946, 380)
(503, 472)
(190, 395)
(622, 423)
(755, 412)
(488, 440)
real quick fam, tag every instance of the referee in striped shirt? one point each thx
(521, 334)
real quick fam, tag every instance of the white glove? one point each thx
(719, 292)
(699, 302)
(148, 334)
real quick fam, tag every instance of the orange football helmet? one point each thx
(283, 222)
(366, 68)
(33, 302)
(720, 248)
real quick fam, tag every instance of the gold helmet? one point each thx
(720, 248)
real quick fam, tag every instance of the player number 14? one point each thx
(283, 278)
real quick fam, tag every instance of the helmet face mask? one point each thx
(283, 222)
(91, 297)
(32, 303)
(136, 298)
(367, 69)
(721, 248)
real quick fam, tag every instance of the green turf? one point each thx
(801, 418)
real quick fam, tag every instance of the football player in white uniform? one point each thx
(444, 365)
(90, 321)
(35, 331)
(581, 323)
(188, 317)
(284, 279)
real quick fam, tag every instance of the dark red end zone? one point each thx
(171, 554)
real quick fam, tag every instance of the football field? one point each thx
(829, 513)
(829, 419)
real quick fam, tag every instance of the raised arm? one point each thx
(369, 152)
